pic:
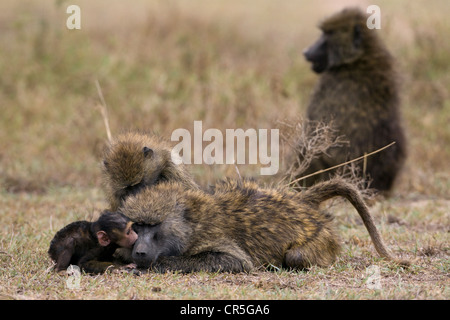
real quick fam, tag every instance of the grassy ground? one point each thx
(231, 64)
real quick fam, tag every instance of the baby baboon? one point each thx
(91, 245)
(134, 161)
(358, 92)
(240, 227)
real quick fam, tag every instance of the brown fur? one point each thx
(358, 92)
(127, 168)
(239, 227)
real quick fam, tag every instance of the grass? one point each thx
(232, 64)
(421, 235)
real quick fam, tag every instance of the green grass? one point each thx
(231, 64)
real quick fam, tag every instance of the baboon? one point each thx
(239, 227)
(91, 245)
(358, 92)
(134, 161)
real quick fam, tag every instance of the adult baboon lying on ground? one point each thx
(240, 227)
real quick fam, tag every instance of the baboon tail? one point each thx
(337, 187)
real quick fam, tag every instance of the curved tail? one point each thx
(338, 187)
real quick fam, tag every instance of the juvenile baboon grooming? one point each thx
(133, 161)
(91, 245)
(358, 92)
(240, 227)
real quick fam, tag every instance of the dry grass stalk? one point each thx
(364, 157)
(103, 110)
(307, 140)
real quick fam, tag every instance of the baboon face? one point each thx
(127, 237)
(126, 165)
(116, 228)
(159, 216)
(153, 241)
(317, 54)
(339, 44)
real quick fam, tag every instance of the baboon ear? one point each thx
(147, 152)
(103, 238)
(105, 164)
(357, 37)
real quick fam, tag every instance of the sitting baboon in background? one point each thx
(357, 92)
(239, 227)
(133, 161)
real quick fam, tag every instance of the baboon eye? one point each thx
(105, 163)
(147, 152)
(137, 225)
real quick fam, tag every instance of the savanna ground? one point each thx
(231, 64)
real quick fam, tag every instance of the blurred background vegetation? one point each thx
(164, 64)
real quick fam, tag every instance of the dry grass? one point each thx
(233, 64)
(416, 230)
